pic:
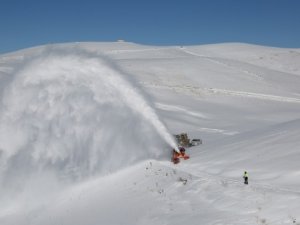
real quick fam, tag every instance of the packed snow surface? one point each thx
(86, 133)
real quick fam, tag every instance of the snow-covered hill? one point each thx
(86, 133)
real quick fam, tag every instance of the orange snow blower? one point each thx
(177, 155)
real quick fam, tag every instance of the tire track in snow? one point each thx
(188, 190)
(176, 108)
(256, 200)
(198, 92)
(254, 95)
(261, 200)
(214, 60)
(255, 186)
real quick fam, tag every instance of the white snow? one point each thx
(86, 134)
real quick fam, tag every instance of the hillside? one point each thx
(86, 133)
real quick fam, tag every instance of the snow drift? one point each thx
(74, 114)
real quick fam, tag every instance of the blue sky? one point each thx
(26, 23)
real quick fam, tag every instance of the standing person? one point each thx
(245, 177)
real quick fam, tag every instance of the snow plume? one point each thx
(74, 114)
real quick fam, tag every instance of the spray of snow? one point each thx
(74, 114)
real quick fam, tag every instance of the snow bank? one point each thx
(73, 114)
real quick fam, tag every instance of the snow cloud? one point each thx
(75, 114)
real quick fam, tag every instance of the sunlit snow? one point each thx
(86, 133)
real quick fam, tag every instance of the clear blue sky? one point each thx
(26, 23)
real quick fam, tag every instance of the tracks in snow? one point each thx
(256, 201)
(201, 92)
(254, 186)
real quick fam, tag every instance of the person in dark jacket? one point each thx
(245, 177)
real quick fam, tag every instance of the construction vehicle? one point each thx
(179, 155)
(196, 142)
(183, 140)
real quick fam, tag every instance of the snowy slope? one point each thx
(86, 132)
